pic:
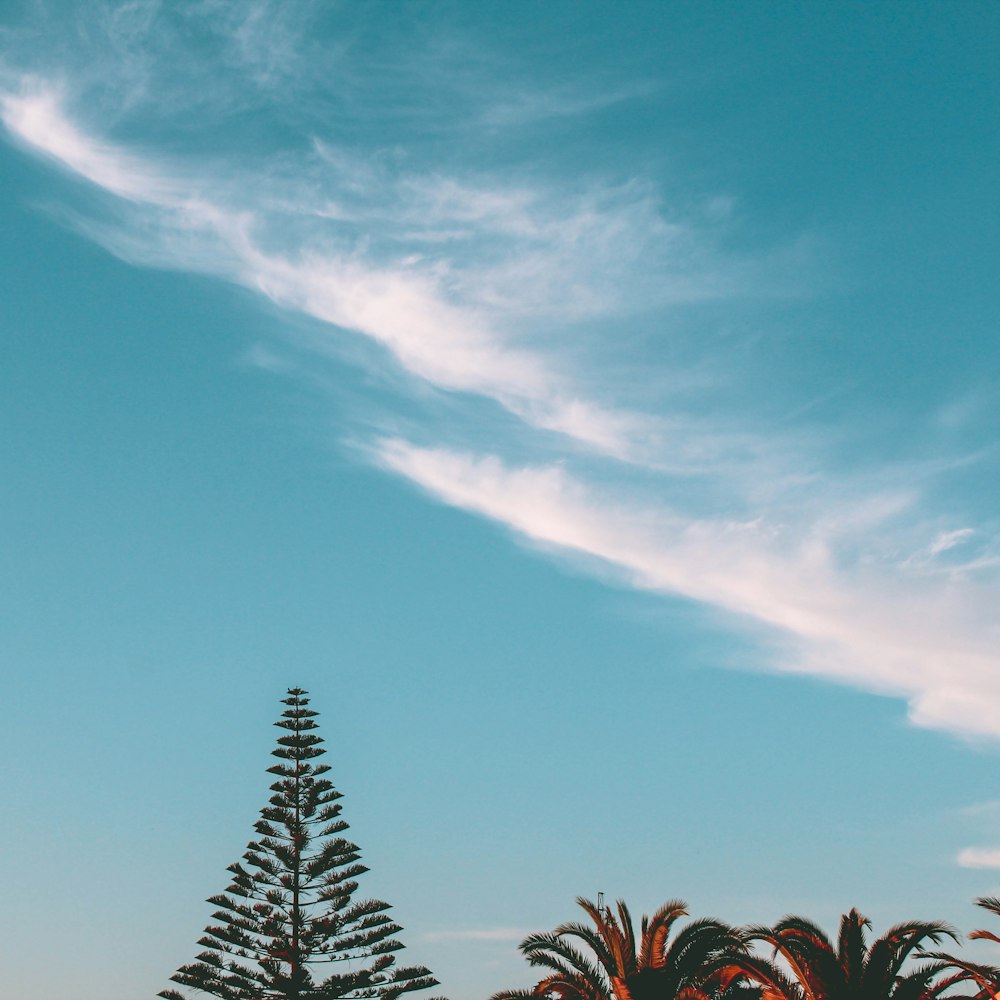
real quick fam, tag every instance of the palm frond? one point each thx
(591, 939)
(628, 955)
(803, 946)
(768, 975)
(700, 943)
(852, 947)
(991, 903)
(516, 995)
(656, 932)
(553, 952)
(986, 977)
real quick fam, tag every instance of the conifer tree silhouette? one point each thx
(287, 928)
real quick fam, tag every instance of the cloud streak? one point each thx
(402, 304)
(477, 934)
(552, 314)
(874, 629)
(979, 857)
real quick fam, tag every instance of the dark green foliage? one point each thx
(984, 980)
(287, 927)
(708, 960)
(700, 962)
(852, 968)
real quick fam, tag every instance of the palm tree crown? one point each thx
(616, 964)
(853, 968)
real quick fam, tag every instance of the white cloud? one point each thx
(989, 809)
(949, 539)
(398, 303)
(480, 934)
(521, 292)
(35, 117)
(979, 857)
(874, 628)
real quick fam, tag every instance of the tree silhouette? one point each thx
(852, 968)
(698, 963)
(984, 978)
(287, 926)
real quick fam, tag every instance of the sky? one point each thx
(594, 406)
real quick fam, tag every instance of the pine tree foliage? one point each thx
(288, 927)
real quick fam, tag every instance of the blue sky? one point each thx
(594, 406)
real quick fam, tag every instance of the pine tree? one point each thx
(287, 928)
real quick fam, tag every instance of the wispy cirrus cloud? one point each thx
(560, 299)
(410, 303)
(477, 934)
(949, 540)
(868, 625)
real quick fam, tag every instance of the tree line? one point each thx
(710, 960)
(288, 927)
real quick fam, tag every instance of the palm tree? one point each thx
(985, 978)
(698, 964)
(852, 969)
